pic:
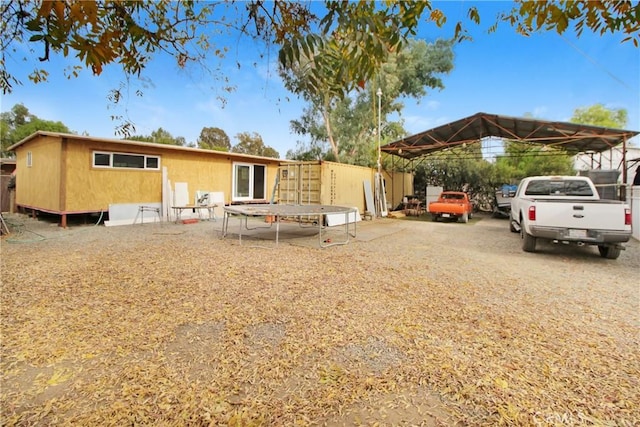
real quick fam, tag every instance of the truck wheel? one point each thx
(434, 217)
(511, 227)
(528, 241)
(464, 218)
(609, 252)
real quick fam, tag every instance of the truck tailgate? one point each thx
(581, 214)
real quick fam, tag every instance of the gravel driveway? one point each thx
(411, 323)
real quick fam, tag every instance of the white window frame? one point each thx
(29, 159)
(112, 153)
(234, 187)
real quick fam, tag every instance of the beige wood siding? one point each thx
(93, 189)
(39, 185)
(63, 179)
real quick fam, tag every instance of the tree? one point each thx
(359, 35)
(160, 136)
(521, 159)
(349, 124)
(253, 144)
(130, 33)
(599, 115)
(214, 139)
(19, 123)
(599, 17)
(458, 169)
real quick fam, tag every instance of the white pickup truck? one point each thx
(568, 209)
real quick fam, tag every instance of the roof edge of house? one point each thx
(137, 143)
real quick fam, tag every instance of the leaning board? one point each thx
(368, 196)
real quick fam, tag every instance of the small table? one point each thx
(210, 209)
(143, 209)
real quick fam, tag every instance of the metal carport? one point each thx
(572, 137)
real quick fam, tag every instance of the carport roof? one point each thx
(572, 137)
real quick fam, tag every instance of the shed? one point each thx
(68, 174)
(65, 174)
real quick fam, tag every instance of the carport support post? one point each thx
(624, 162)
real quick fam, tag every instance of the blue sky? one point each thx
(546, 75)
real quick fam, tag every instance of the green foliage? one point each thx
(521, 160)
(560, 15)
(214, 139)
(599, 115)
(458, 169)
(358, 36)
(465, 169)
(160, 136)
(254, 145)
(101, 33)
(354, 40)
(348, 126)
(17, 124)
(349, 44)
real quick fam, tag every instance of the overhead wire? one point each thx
(596, 63)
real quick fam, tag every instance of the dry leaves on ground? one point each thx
(151, 326)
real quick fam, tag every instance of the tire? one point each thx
(511, 227)
(528, 241)
(609, 252)
(434, 217)
(464, 218)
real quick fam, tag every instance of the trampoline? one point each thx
(313, 213)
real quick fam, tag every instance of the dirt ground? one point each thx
(411, 323)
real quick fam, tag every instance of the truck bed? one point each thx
(580, 214)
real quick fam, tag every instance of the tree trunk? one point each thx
(332, 141)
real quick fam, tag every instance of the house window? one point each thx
(249, 182)
(102, 159)
(29, 159)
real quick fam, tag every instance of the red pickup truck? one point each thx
(452, 205)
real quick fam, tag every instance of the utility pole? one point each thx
(379, 93)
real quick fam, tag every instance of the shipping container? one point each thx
(339, 184)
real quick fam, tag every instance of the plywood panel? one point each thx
(39, 185)
(89, 188)
(93, 189)
(181, 194)
(217, 198)
(368, 195)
